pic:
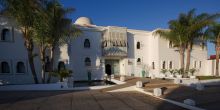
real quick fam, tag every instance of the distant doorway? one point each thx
(108, 69)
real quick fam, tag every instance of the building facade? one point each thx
(98, 51)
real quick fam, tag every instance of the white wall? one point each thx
(79, 53)
(14, 51)
(153, 49)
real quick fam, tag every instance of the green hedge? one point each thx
(207, 77)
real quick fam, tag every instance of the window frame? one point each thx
(1, 68)
(17, 67)
(87, 43)
(170, 65)
(163, 65)
(59, 65)
(153, 65)
(138, 45)
(11, 34)
(139, 61)
(87, 62)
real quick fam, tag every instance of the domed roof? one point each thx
(83, 21)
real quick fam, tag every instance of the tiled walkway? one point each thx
(84, 100)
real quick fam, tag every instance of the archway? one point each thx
(108, 69)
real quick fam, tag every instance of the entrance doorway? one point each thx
(112, 66)
(108, 69)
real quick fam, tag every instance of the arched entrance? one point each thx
(108, 69)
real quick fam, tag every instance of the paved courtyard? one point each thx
(81, 100)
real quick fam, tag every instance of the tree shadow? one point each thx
(209, 98)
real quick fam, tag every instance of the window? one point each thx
(86, 43)
(170, 65)
(170, 44)
(163, 65)
(200, 64)
(20, 68)
(5, 67)
(61, 65)
(139, 61)
(153, 65)
(130, 62)
(138, 45)
(5, 35)
(194, 64)
(202, 45)
(87, 61)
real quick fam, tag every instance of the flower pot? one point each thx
(63, 84)
(193, 77)
(162, 75)
(122, 78)
(152, 77)
(171, 76)
(179, 76)
(112, 76)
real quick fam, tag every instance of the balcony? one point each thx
(114, 42)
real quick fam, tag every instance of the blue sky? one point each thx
(138, 14)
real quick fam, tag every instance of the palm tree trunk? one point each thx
(188, 54)
(217, 59)
(42, 58)
(181, 51)
(30, 46)
(51, 63)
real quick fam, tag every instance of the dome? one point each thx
(83, 21)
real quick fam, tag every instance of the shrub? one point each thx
(163, 71)
(192, 71)
(180, 71)
(172, 71)
(61, 74)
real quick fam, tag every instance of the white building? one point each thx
(99, 50)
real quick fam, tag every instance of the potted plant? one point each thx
(192, 71)
(164, 72)
(180, 73)
(122, 78)
(62, 74)
(171, 73)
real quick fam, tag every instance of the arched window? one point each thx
(170, 44)
(86, 43)
(153, 65)
(195, 64)
(200, 64)
(170, 65)
(138, 45)
(139, 61)
(20, 68)
(61, 65)
(5, 67)
(164, 65)
(5, 35)
(87, 61)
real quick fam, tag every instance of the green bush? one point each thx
(63, 73)
(163, 71)
(172, 71)
(192, 71)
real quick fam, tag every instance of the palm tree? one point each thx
(23, 12)
(53, 28)
(41, 36)
(195, 25)
(176, 35)
(213, 33)
(60, 28)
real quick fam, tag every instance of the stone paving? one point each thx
(81, 100)
(208, 99)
